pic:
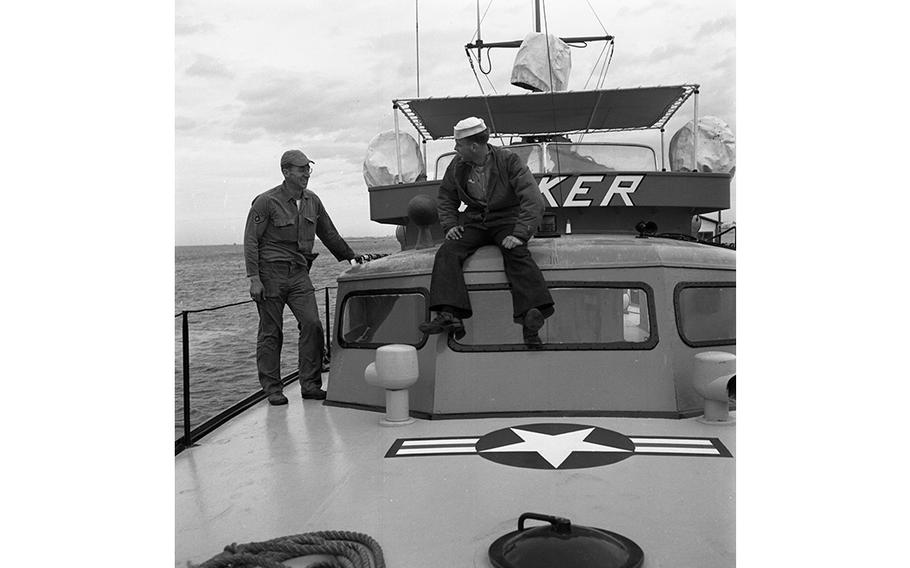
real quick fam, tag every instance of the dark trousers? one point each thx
(447, 287)
(288, 284)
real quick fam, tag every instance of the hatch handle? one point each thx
(559, 524)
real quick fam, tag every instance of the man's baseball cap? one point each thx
(469, 126)
(295, 158)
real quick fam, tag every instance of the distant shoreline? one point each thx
(350, 239)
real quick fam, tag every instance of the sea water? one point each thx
(222, 342)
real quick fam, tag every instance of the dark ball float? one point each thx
(422, 210)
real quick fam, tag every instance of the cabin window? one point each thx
(374, 319)
(706, 313)
(442, 163)
(599, 157)
(594, 316)
(531, 155)
(586, 157)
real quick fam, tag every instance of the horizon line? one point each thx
(241, 244)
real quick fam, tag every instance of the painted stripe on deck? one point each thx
(449, 450)
(448, 441)
(674, 450)
(701, 442)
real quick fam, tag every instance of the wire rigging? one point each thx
(467, 52)
(482, 18)
(480, 61)
(598, 18)
(603, 74)
(594, 67)
(479, 56)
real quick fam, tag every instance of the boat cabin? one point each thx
(637, 295)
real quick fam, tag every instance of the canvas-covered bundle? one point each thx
(381, 165)
(716, 147)
(530, 70)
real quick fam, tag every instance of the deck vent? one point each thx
(565, 545)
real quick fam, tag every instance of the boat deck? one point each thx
(309, 467)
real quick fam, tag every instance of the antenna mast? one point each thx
(479, 41)
(417, 42)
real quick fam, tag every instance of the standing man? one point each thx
(278, 247)
(505, 208)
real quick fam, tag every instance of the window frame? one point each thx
(383, 292)
(436, 175)
(648, 345)
(677, 313)
(546, 146)
(543, 147)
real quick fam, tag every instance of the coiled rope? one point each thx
(349, 549)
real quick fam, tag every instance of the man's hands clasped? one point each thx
(507, 243)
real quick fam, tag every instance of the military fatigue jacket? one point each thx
(276, 230)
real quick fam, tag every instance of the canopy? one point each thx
(549, 113)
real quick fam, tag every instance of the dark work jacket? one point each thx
(277, 231)
(513, 196)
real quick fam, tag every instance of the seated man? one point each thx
(504, 207)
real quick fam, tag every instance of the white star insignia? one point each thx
(555, 448)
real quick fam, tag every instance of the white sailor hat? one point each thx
(469, 126)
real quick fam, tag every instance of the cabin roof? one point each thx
(532, 114)
(566, 252)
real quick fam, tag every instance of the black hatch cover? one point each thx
(564, 545)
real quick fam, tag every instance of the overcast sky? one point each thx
(256, 78)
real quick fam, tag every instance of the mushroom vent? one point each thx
(563, 545)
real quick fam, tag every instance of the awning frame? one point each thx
(405, 106)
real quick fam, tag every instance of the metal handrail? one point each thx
(186, 440)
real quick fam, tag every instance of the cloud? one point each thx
(726, 67)
(184, 123)
(183, 28)
(288, 105)
(666, 52)
(719, 25)
(206, 66)
(656, 56)
(637, 10)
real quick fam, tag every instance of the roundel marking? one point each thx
(555, 446)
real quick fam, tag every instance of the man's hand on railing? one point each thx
(361, 258)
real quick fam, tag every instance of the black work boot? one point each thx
(312, 390)
(533, 321)
(443, 322)
(277, 399)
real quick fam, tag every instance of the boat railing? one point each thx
(191, 434)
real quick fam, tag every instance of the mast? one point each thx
(479, 41)
(537, 16)
(417, 43)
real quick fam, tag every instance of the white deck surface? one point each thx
(277, 471)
